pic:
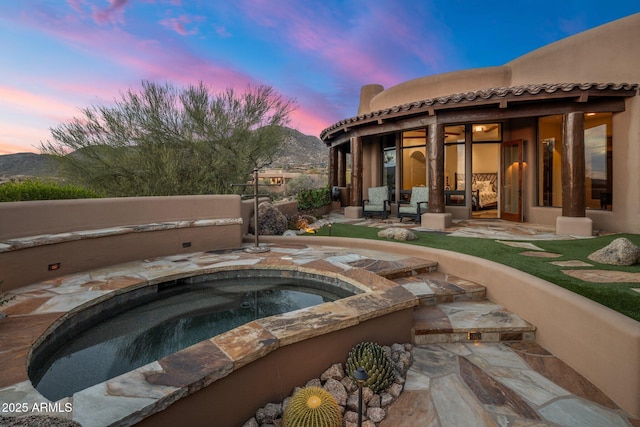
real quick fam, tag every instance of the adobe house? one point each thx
(552, 137)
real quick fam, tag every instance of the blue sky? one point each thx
(57, 56)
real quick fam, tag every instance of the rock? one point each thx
(386, 399)
(269, 413)
(376, 414)
(397, 348)
(396, 233)
(251, 423)
(351, 417)
(405, 359)
(289, 233)
(314, 383)
(36, 421)
(352, 402)
(271, 221)
(375, 401)
(395, 390)
(335, 371)
(349, 384)
(337, 390)
(621, 251)
(367, 395)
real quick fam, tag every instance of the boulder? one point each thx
(335, 371)
(271, 221)
(621, 251)
(337, 390)
(269, 413)
(397, 233)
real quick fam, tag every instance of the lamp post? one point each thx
(361, 376)
(256, 248)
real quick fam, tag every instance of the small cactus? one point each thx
(312, 407)
(378, 367)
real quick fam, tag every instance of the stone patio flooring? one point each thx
(449, 384)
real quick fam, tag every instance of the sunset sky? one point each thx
(57, 56)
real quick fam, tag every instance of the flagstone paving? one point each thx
(452, 382)
(498, 384)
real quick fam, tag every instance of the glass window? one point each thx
(454, 137)
(414, 159)
(550, 161)
(598, 160)
(486, 132)
(389, 164)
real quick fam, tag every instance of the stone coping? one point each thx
(52, 239)
(598, 342)
(38, 309)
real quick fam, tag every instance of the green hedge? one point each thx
(312, 199)
(36, 190)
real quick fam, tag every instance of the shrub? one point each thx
(36, 190)
(312, 199)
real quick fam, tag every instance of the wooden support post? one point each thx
(573, 166)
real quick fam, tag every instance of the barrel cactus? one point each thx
(312, 407)
(378, 367)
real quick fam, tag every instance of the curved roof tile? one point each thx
(484, 94)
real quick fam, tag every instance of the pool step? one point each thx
(434, 287)
(392, 269)
(468, 321)
(453, 309)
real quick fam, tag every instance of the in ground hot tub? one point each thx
(135, 328)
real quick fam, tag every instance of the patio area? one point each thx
(502, 379)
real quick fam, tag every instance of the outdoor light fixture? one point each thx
(330, 225)
(474, 336)
(361, 376)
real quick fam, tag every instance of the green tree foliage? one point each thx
(312, 199)
(36, 190)
(163, 140)
(300, 183)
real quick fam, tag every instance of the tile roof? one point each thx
(497, 93)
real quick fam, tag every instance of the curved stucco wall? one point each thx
(609, 53)
(439, 85)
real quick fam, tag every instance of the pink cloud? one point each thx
(20, 134)
(360, 47)
(178, 24)
(24, 101)
(112, 14)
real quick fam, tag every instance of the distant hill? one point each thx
(29, 164)
(298, 151)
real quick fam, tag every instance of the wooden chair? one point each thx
(377, 203)
(416, 206)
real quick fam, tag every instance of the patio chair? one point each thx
(376, 204)
(416, 206)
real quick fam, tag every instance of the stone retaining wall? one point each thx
(42, 240)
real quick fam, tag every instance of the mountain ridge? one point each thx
(297, 151)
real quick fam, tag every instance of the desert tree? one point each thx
(164, 140)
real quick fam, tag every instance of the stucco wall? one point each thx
(438, 85)
(234, 399)
(77, 252)
(608, 53)
(22, 219)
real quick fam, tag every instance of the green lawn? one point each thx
(618, 296)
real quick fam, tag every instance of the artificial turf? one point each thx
(617, 296)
